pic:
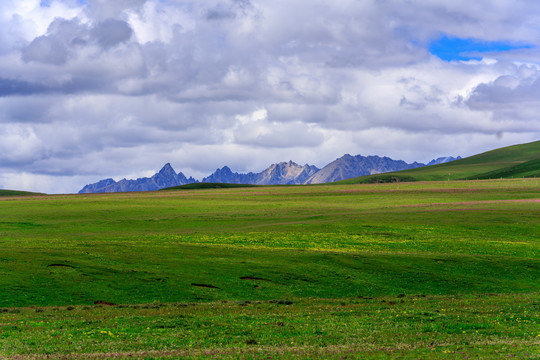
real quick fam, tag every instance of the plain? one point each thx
(420, 269)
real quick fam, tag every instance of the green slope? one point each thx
(527, 169)
(513, 161)
(16, 193)
(195, 186)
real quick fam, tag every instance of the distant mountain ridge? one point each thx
(166, 177)
(283, 173)
(443, 160)
(349, 166)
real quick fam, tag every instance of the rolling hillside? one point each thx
(16, 193)
(513, 161)
(208, 185)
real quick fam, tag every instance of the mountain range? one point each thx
(283, 173)
(166, 177)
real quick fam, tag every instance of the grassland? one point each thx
(413, 270)
(16, 193)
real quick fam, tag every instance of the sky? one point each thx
(92, 89)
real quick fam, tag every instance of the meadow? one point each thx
(443, 269)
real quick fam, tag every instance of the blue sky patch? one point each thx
(451, 49)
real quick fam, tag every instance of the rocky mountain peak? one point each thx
(166, 177)
(225, 170)
(167, 169)
(224, 175)
(348, 166)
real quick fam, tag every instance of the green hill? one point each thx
(16, 193)
(513, 161)
(194, 186)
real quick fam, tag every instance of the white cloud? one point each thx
(26, 181)
(19, 144)
(256, 129)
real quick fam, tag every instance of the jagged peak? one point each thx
(443, 159)
(224, 169)
(285, 163)
(167, 168)
(106, 181)
(347, 157)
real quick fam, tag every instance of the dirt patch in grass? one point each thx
(254, 278)
(106, 303)
(204, 286)
(60, 265)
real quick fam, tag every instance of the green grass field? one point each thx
(4, 193)
(400, 270)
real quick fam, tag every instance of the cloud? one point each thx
(47, 50)
(71, 38)
(112, 32)
(512, 99)
(106, 9)
(258, 130)
(19, 145)
(15, 87)
(114, 88)
(518, 87)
